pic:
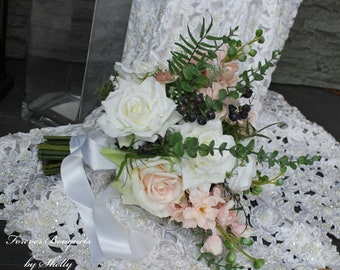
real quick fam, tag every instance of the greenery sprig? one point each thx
(175, 146)
(195, 56)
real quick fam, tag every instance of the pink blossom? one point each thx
(228, 218)
(217, 191)
(213, 244)
(213, 93)
(225, 216)
(222, 53)
(164, 77)
(202, 213)
(176, 209)
(228, 74)
(237, 227)
(228, 70)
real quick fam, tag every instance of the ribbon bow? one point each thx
(106, 235)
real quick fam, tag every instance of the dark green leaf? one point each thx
(203, 150)
(222, 148)
(222, 94)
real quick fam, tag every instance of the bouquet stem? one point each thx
(52, 151)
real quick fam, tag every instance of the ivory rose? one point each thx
(152, 184)
(140, 109)
(203, 171)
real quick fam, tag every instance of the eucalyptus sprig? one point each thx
(252, 74)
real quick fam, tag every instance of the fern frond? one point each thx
(186, 42)
(192, 37)
(187, 50)
(202, 29)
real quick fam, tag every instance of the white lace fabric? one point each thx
(155, 26)
(290, 222)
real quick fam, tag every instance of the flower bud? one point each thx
(242, 57)
(228, 244)
(231, 257)
(258, 263)
(259, 32)
(252, 53)
(246, 49)
(246, 241)
(261, 39)
(232, 52)
(279, 182)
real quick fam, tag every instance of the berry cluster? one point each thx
(247, 92)
(239, 113)
(194, 109)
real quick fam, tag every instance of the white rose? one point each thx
(202, 171)
(138, 72)
(140, 109)
(152, 184)
(242, 176)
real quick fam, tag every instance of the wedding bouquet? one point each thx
(185, 143)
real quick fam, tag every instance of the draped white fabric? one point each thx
(290, 223)
(155, 26)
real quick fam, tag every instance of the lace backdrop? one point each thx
(155, 26)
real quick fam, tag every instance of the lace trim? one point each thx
(290, 223)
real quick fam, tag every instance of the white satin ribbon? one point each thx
(107, 237)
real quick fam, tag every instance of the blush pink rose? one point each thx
(152, 184)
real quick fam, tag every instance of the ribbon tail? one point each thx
(132, 245)
(79, 191)
(107, 237)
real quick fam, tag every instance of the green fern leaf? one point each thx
(192, 37)
(188, 51)
(187, 42)
(202, 32)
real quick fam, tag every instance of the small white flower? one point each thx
(138, 72)
(242, 176)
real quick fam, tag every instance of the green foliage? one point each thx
(105, 89)
(258, 73)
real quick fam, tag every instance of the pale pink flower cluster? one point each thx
(207, 210)
(223, 76)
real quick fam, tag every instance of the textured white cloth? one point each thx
(291, 222)
(155, 25)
